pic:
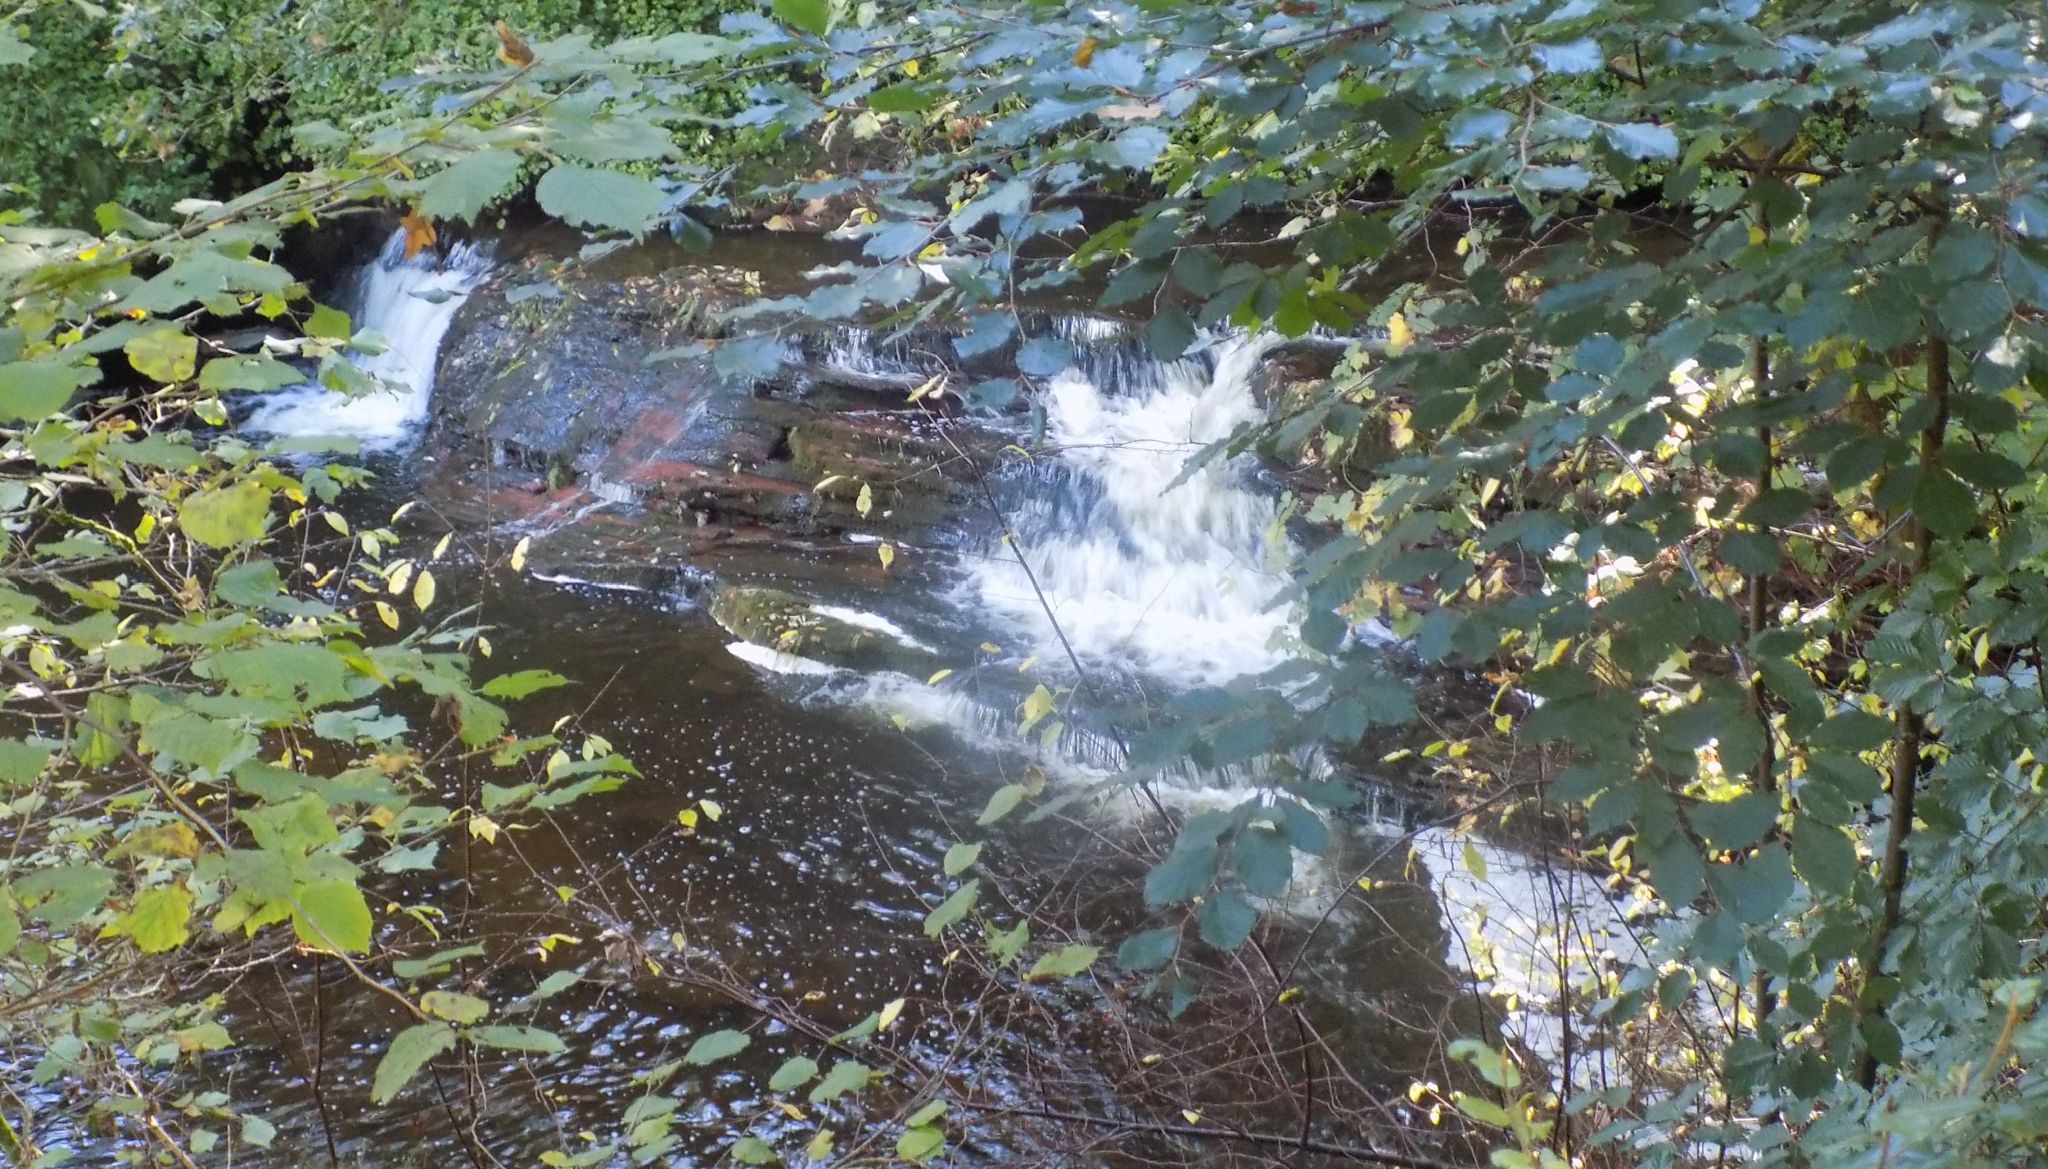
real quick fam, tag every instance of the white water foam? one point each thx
(1167, 583)
(875, 621)
(776, 661)
(410, 303)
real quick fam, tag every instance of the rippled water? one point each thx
(838, 793)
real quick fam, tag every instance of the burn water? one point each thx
(796, 912)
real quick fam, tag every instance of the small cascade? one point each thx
(408, 302)
(1167, 583)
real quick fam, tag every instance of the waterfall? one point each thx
(408, 302)
(1164, 583)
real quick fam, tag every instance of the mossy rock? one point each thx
(783, 621)
(827, 446)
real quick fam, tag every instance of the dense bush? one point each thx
(181, 97)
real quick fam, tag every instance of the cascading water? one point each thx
(410, 303)
(1168, 582)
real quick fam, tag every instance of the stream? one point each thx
(840, 782)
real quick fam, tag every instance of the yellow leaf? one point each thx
(511, 50)
(519, 553)
(1086, 52)
(912, 68)
(820, 1146)
(441, 546)
(888, 554)
(1398, 333)
(687, 817)
(865, 502)
(401, 576)
(423, 590)
(939, 677)
(484, 828)
(335, 521)
(403, 508)
(387, 614)
(890, 1010)
(711, 808)
(419, 230)
(1191, 1116)
(483, 645)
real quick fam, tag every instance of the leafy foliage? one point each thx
(1709, 434)
(173, 98)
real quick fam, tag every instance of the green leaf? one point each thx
(1064, 962)
(1736, 823)
(811, 16)
(902, 98)
(410, 1050)
(328, 323)
(1171, 331)
(599, 198)
(1148, 950)
(1825, 856)
(1226, 919)
(1182, 876)
(1944, 504)
(961, 857)
(66, 893)
(1001, 804)
(920, 1144)
(845, 1076)
(258, 1131)
(952, 909)
(1643, 140)
(254, 371)
(553, 985)
(794, 1072)
(1579, 56)
(752, 1150)
(1264, 859)
(507, 1038)
(716, 1046)
(164, 355)
(1005, 945)
(37, 389)
(14, 50)
(463, 190)
(332, 914)
(521, 684)
(159, 920)
(410, 968)
(1476, 127)
(22, 761)
(224, 517)
(454, 1006)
